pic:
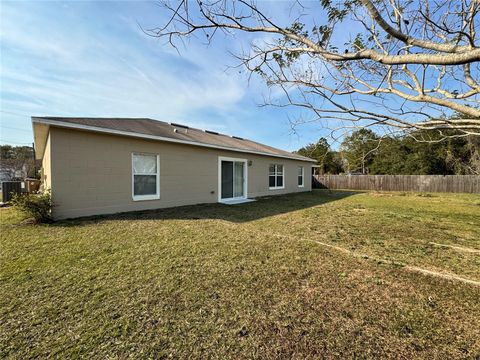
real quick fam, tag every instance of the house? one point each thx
(107, 165)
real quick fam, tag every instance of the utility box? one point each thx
(9, 188)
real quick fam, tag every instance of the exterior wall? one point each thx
(46, 173)
(92, 173)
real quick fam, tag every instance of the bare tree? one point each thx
(407, 65)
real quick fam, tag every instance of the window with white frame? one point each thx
(300, 177)
(276, 177)
(146, 176)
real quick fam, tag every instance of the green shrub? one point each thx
(36, 205)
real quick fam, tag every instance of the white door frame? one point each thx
(245, 177)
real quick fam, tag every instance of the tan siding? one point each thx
(92, 173)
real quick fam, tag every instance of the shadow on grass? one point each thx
(263, 207)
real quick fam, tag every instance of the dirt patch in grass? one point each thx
(246, 281)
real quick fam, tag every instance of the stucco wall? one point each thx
(92, 173)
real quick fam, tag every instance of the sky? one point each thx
(92, 59)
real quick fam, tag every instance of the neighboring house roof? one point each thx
(156, 130)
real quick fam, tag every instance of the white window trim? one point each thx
(146, 197)
(283, 176)
(245, 185)
(303, 177)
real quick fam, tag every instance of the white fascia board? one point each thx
(154, 137)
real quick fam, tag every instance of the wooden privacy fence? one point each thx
(418, 183)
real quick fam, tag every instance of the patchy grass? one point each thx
(247, 281)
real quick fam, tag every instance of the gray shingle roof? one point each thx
(164, 131)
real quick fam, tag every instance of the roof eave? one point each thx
(44, 121)
(40, 137)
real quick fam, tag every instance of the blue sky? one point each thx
(92, 59)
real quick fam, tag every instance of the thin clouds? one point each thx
(102, 75)
(92, 59)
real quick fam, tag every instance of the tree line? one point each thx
(365, 152)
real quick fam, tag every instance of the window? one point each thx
(146, 177)
(275, 177)
(300, 177)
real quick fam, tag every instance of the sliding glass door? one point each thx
(227, 179)
(232, 179)
(238, 179)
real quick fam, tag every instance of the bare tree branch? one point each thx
(408, 66)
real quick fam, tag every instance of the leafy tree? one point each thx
(358, 150)
(7, 152)
(329, 161)
(405, 155)
(390, 157)
(16, 152)
(473, 147)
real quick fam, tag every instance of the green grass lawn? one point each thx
(258, 280)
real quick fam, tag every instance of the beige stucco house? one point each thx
(100, 166)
